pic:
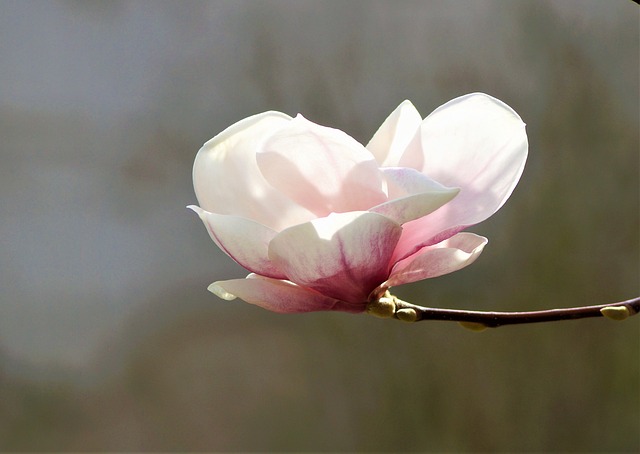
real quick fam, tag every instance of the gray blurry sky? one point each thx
(109, 339)
(104, 104)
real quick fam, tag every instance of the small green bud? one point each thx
(615, 312)
(383, 307)
(473, 326)
(407, 315)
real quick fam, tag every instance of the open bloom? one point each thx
(325, 223)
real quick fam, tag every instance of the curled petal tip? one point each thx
(196, 209)
(220, 292)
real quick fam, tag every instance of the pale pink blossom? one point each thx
(325, 223)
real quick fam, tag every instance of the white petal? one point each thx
(322, 169)
(391, 139)
(227, 180)
(476, 143)
(404, 181)
(412, 195)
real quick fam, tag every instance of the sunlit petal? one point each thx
(412, 195)
(391, 139)
(227, 180)
(322, 169)
(476, 143)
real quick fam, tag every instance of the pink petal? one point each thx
(476, 143)
(322, 169)
(392, 138)
(227, 180)
(244, 240)
(412, 195)
(344, 255)
(433, 261)
(279, 296)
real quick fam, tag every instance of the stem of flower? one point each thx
(389, 306)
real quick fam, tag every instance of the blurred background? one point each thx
(108, 337)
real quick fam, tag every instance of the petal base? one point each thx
(345, 255)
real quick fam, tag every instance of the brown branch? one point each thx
(389, 306)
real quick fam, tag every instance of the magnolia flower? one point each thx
(325, 223)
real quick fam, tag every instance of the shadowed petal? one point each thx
(227, 180)
(244, 240)
(345, 255)
(391, 139)
(322, 169)
(433, 261)
(279, 295)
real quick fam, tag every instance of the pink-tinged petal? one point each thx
(476, 143)
(244, 240)
(404, 181)
(412, 195)
(391, 139)
(227, 180)
(433, 261)
(412, 207)
(345, 255)
(279, 295)
(322, 169)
